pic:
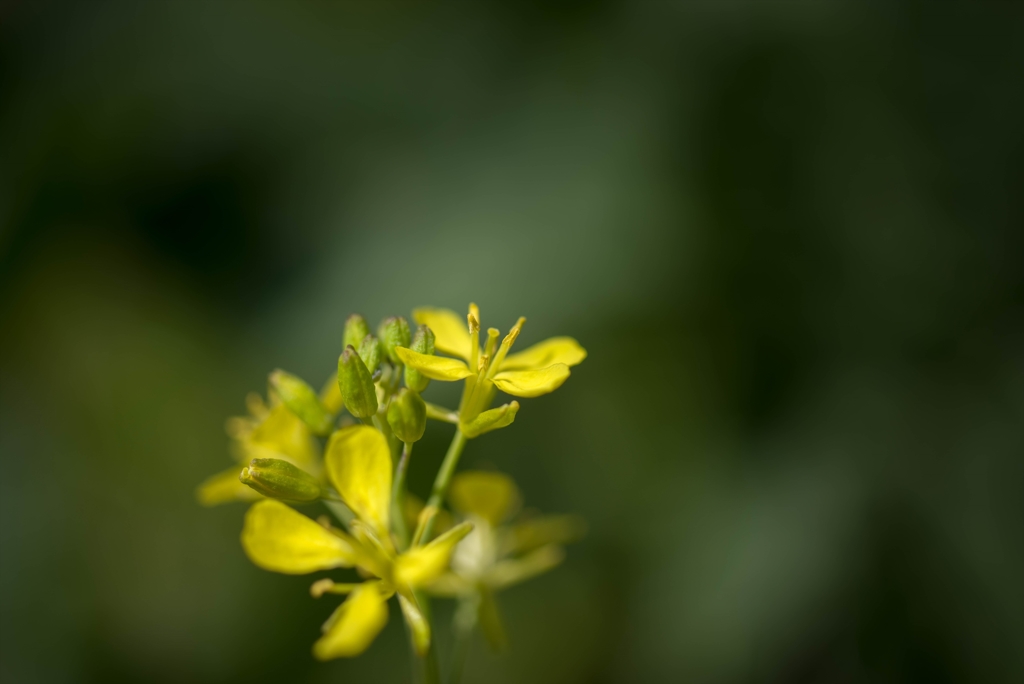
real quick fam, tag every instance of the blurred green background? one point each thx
(789, 234)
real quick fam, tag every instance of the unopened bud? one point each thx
(280, 479)
(394, 332)
(407, 415)
(422, 342)
(356, 385)
(491, 420)
(356, 329)
(302, 401)
(371, 351)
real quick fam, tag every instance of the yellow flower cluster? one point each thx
(359, 475)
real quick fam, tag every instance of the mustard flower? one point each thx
(501, 551)
(267, 432)
(532, 372)
(279, 538)
(360, 476)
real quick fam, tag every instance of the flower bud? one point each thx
(302, 401)
(356, 385)
(280, 479)
(407, 415)
(371, 351)
(394, 332)
(355, 330)
(422, 342)
(491, 420)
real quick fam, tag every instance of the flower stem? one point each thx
(441, 482)
(430, 669)
(398, 497)
(464, 623)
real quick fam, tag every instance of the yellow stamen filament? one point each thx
(473, 319)
(506, 344)
(492, 341)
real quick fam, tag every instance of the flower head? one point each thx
(279, 538)
(532, 372)
(271, 431)
(498, 553)
(360, 476)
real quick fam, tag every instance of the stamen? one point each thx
(329, 586)
(426, 515)
(255, 405)
(473, 319)
(506, 344)
(238, 428)
(492, 341)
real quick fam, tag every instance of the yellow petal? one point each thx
(418, 625)
(451, 335)
(492, 496)
(542, 530)
(359, 464)
(330, 395)
(555, 350)
(284, 433)
(434, 367)
(450, 585)
(423, 564)
(279, 538)
(354, 625)
(225, 487)
(513, 571)
(532, 383)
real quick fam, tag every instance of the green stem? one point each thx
(465, 623)
(441, 482)
(429, 666)
(398, 497)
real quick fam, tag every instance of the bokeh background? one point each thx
(788, 233)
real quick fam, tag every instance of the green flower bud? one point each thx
(394, 332)
(280, 479)
(407, 415)
(422, 342)
(302, 401)
(356, 385)
(491, 420)
(371, 351)
(355, 330)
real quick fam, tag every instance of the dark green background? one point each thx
(789, 234)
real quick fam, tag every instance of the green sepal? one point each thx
(302, 401)
(490, 621)
(407, 415)
(356, 329)
(435, 412)
(356, 385)
(491, 420)
(394, 332)
(371, 351)
(422, 342)
(280, 479)
(418, 625)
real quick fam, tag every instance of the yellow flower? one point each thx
(267, 432)
(537, 370)
(279, 538)
(496, 555)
